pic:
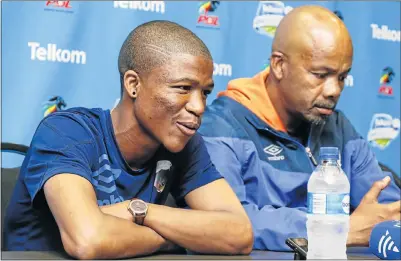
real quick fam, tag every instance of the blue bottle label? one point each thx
(335, 204)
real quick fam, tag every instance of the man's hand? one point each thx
(215, 223)
(369, 213)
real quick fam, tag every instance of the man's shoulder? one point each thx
(224, 117)
(78, 113)
(76, 124)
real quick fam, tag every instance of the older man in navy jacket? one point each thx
(264, 133)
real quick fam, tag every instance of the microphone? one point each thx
(385, 240)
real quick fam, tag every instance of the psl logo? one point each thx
(64, 4)
(56, 103)
(59, 6)
(386, 78)
(383, 130)
(204, 18)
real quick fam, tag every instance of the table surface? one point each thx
(355, 253)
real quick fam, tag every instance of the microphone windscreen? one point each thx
(385, 240)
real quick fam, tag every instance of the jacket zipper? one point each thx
(310, 155)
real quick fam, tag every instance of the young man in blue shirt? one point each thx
(94, 182)
(264, 133)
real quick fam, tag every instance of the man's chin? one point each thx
(316, 120)
(176, 146)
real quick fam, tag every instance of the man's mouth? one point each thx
(188, 128)
(324, 111)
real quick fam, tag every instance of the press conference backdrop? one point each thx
(62, 54)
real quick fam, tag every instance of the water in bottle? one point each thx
(328, 208)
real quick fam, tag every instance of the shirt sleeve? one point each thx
(364, 168)
(271, 225)
(61, 144)
(197, 169)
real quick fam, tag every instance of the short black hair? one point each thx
(149, 44)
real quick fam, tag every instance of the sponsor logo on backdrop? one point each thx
(349, 81)
(147, 6)
(52, 53)
(205, 19)
(383, 130)
(59, 6)
(385, 89)
(382, 32)
(55, 103)
(222, 69)
(268, 16)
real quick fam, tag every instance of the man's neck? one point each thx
(295, 127)
(135, 144)
(301, 133)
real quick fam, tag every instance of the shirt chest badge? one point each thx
(274, 152)
(163, 167)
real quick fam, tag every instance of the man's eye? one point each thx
(320, 75)
(342, 78)
(207, 92)
(184, 88)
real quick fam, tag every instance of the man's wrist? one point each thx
(356, 238)
(148, 219)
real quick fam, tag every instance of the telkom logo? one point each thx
(148, 6)
(387, 245)
(53, 54)
(384, 33)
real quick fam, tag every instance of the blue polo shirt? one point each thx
(82, 142)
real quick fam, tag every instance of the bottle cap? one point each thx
(329, 153)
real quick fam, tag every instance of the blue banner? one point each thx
(62, 54)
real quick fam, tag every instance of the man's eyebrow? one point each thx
(187, 79)
(183, 79)
(331, 70)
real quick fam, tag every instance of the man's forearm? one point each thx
(119, 210)
(202, 231)
(119, 238)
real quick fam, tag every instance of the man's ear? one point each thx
(132, 83)
(276, 64)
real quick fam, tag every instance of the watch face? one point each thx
(138, 206)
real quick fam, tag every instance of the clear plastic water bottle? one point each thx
(328, 208)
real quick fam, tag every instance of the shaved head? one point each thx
(152, 44)
(311, 57)
(310, 27)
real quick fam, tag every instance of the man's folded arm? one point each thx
(88, 233)
(216, 223)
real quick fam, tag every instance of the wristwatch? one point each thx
(138, 208)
